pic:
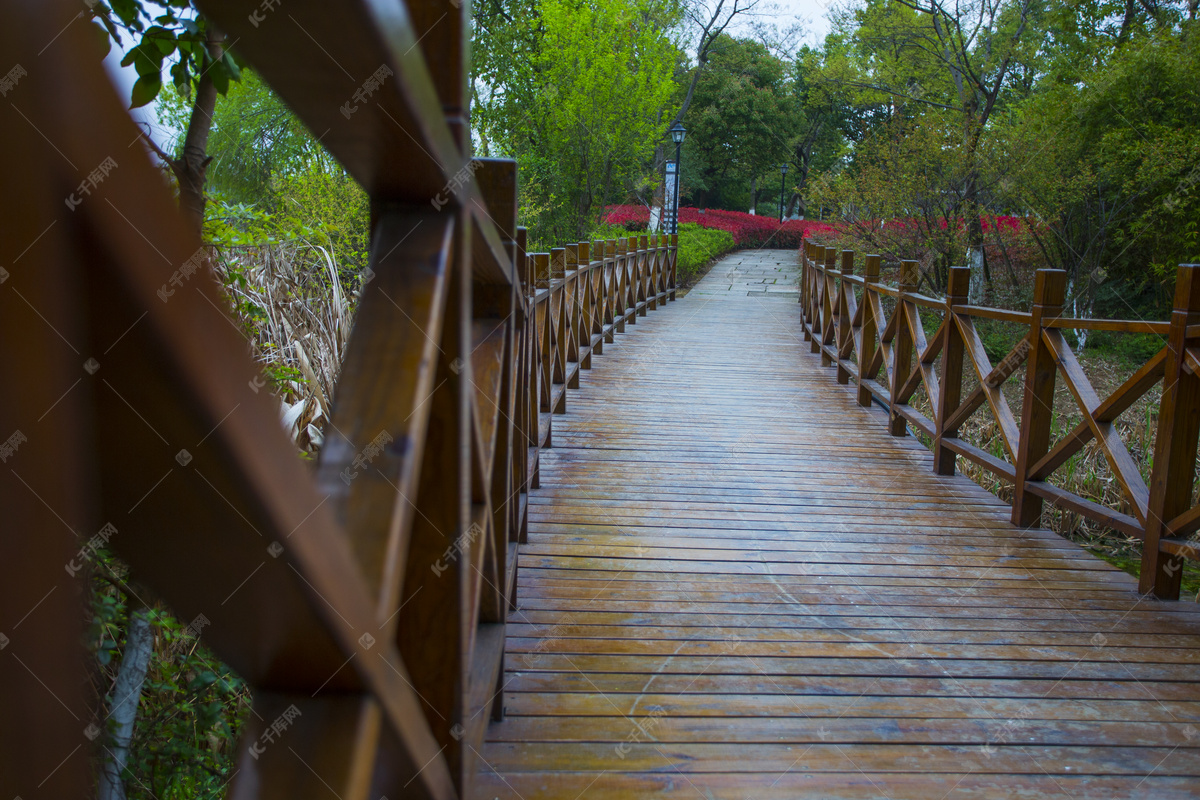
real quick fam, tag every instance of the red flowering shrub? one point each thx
(749, 230)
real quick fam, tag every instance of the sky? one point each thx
(811, 12)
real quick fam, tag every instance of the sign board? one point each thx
(670, 191)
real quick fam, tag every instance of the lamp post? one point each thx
(677, 132)
(782, 182)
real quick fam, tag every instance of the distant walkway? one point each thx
(737, 585)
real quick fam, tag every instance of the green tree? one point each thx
(1108, 167)
(584, 112)
(970, 60)
(822, 121)
(172, 35)
(742, 119)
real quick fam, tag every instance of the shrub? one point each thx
(748, 230)
(698, 246)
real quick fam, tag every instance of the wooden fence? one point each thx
(889, 357)
(363, 600)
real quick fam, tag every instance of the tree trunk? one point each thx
(191, 166)
(972, 210)
(753, 195)
(795, 206)
(139, 644)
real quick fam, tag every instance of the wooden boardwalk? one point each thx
(738, 585)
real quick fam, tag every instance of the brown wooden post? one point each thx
(870, 329)
(608, 289)
(644, 261)
(594, 302)
(571, 309)
(845, 313)
(653, 266)
(828, 304)
(950, 396)
(814, 297)
(902, 346)
(620, 279)
(632, 271)
(583, 297)
(558, 263)
(1174, 470)
(1037, 410)
(545, 333)
(804, 249)
(674, 276)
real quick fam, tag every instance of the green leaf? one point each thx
(127, 10)
(161, 38)
(146, 58)
(146, 89)
(230, 63)
(181, 77)
(219, 77)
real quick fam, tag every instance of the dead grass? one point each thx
(295, 308)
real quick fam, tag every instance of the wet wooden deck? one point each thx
(738, 585)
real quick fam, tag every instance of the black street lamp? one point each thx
(782, 179)
(678, 132)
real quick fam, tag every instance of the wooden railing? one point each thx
(889, 358)
(585, 293)
(364, 601)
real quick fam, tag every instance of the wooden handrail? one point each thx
(889, 359)
(364, 599)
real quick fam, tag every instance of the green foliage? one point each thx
(171, 35)
(742, 117)
(1111, 170)
(1135, 349)
(576, 91)
(255, 140)
(192, 706)
(697, 247)
(270, 181)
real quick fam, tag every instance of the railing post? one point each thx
(816, 292)
(1174, 469)
(805, 247)
(572, 310)
(653, 268)
(608, 289)
(620, 290)
(592, 303)
(870, 329)
(950, 396)
(845, 313)
(674, 277)
(828, 305)
(583, 302)
(546, 340)
(1037, 409)
(558, 263)
(629, 248)
(902, 347)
